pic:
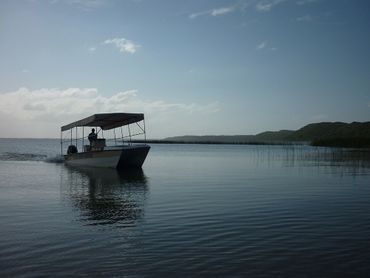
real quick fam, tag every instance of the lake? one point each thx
(192, 211)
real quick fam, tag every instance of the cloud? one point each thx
(213, 12)
(83, 4)
(268, 5)
(92, 49)
(266, 47)
(34, 107)
(304, 2)
(31, 104)
(242, 6)
(222, 11)
(124, 45)
(195, 15)
(305, 18)
(26, 108)
(262, 45)
(88, 3)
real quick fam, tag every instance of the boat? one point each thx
(115, 150)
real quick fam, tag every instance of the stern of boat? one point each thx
(133, 156)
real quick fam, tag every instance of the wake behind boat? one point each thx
(98, 152)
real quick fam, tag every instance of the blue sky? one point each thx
(193, 67)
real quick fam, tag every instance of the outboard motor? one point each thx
(72, 149)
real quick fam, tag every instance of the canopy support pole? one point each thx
(61, 143)
(144, 130)
(129, 133)
(115, 138)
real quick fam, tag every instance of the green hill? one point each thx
(274, 136)
(264, 137)
(327, 130)
(336, 134)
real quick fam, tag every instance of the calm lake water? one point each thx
(193, 211)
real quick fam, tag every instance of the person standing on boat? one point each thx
(92, 136)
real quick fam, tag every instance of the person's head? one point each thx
(93, 130)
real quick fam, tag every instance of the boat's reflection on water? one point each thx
(106, 196)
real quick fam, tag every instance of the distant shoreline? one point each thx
(216, 143)
(330, 144)
(324, 134)
(354, 143)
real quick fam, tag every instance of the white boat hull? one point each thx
(128, 156)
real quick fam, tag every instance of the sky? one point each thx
(195, 67)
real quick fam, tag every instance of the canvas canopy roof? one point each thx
(107, 120)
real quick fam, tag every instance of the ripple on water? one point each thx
(188, 214)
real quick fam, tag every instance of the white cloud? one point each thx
(83, 4)
(213, 12)
(124, 45)
(222, 11)
(306, 18)
(268, 5)
(303, 2)
(88, 3)
(92, 49)
(195, 15)
(262, 45)
(50, 108)
(241, 6)
(34, 107)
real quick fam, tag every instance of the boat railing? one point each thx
(99, 144)
(116, 137)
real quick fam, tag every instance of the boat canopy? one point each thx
(106, 121)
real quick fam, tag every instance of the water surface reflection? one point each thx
(337, 160)
(199, 210)
(106, 196)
